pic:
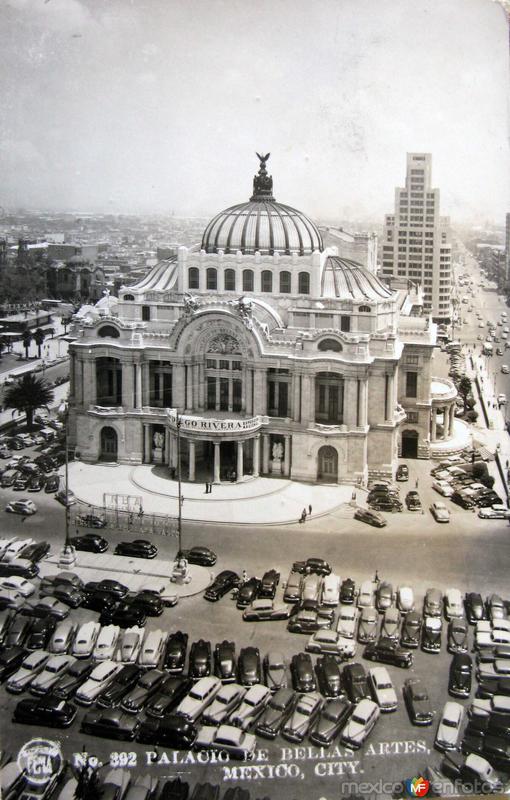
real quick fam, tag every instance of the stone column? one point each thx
(307, 409)
(89, 383)
(147, 449)
(246, 404)
(452, 419)
(363, 402)
(391, 399)
(178, 386)
(445, 423)
(230, 394)
(240, 461)
(433, 425)
(265, 453)
(260, 392)
(127, 386)
(350, 402)
(216, 462)
(286, 456)
(189, 388)
(196, 386)
(138, 368)
(191, 470)
(201, 385)
(296, 409)
(167, 445)
(146, 398)
(256, 456)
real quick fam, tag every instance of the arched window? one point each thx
(108, 331)
(193, 279)
(211, 278)
(129, 297)
(266, 284)
(285, 280)
(330, 344)
(230, 280)
(365, 309)
(248, 280)
(304, 283)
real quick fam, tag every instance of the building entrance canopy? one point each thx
(213, 426)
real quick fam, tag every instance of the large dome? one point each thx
(343, 279)
(262, 225)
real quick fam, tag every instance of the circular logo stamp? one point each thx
(41, 759)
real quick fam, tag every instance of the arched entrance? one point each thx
(109, 444)
(327, 467)
(409, 444)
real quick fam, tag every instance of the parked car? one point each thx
(148, 602)
(433, 603)
(227, 739)
(148, 684)
(90, 542)
(48, 711)
(96, 682)
(417, 702)
(276, 712)
(249, 666)
(440, 512)
(275, 670)
(405, 599)
(461, 670)
(443, 488)
(453, 604)
(390, 652)
(458, 636)
(330, 592)
(200, 696)
(172, 730)
(360, 724)
(137, 548)
(355, 682)
(317, 565)
(31, 666)
(390, 627)
(47, 606)
(17, 632)
(382, 688)
(106, 643)
(225, 661)
(62, 637)
(413, 502)
(347, 621)
(431, 635)
(402, 473)
(371, 517)
(153, 647)
(332, 719)
(85, 639)
(69, 595)
(263, 609)
(175, 652)
(474, 606)
(329, 676)
(449, 727)
(270, 580)
(111, 723)
(53, 670)
(384, 596)
(90, 520)
(303, 676)
(325, 641)
(227, 699)
(252, 706)
(347, 591)
(125, 615)
(224, 582)
(368, 624)
(77, 674)
(302, 717)
(248, 592)
(495, 512)
(11, 659)
(199, 659)
(168, 696)
(202, 556)
(124, 681)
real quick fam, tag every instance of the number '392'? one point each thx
(122, 759)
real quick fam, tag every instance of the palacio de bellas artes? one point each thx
(270, 351)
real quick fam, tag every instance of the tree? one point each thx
(26, 339)
(464, 389)
(27, 395)
(479, 470)
(39, 337)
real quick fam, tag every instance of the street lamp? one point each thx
(180, 498)
(68, 554)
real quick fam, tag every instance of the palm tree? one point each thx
(27, 395)
(26, 339)
(39, 337)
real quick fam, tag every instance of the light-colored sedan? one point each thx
(497, 704)
(450, 724)
(361, 723)
(30, 668)
(405, 599)
(23, 507)
(152, 649)
(85, 640)
(9, 598)
(15, 548)
(382, 688)
(252, 705)
(228, 739)
(53, 670)
(347, 621)
(453, 604)
(201, 695)
(62, 637)
(366, 596)
(498, 511)
(326, 641)
(500, 668)
(130, 644)
(330, 595)
(98, 680)
(106, 643)
(227, 699)
(18, 584)
(303, 717)
(390, 627)
(440, 512)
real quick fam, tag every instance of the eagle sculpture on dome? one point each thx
(262, 183)
(262, 159)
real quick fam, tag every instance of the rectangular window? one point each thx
(236, 365)
(413, 416)
(236, 395)
(146, 313)
(412, 359)
(283, 393)
(411, 384)
(224, 364)
(345, 324)
(211, 393)
(211, 363)
(224, 394)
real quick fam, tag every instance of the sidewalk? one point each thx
(258, 501)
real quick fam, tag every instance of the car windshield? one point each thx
(358, 719)
(450, 723)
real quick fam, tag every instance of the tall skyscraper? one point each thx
(416, 242)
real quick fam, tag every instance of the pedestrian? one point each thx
(206, 488)
(416, 484)
(304, 513)
(310, 510)
(376, 577)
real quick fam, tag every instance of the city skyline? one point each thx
(148, 108)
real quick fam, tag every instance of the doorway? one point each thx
(327, 469)
(409, 444)
(109, 444)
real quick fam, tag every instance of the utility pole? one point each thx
(179, 499)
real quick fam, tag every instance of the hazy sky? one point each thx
(158, 105)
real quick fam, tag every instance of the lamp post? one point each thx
(179, 499)
(68, 554)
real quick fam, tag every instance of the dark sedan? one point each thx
(475, 608)
(388, 651)
(347, 591)
(488, 687)
(276, 713)
(36, 483)
(249, 668)
(52, 484)
(329, 676)
(11, 659)
(115, 588)
(147, 685)
(99, 601)
(199, 659)
(172, 731)
(169, 695)
(35, 552)
(138, 548)
(175, 652)
(125, 615)
(73, 679)
(40, 631)
(316, 565)
(90, 520)
(48, 711)
(355, 682)
(303, 677)
(248, 592)
(330, 722)
(111, 723)
(225, 661)
(270, 581)
(461, 670)
(370, 517)
(202, 556)
(411, 630)
(69, 595)
(224, 582)
(417, 701)
(90, 542)
(457, 636)
(149, 602)
(120, 686)
(17, 633)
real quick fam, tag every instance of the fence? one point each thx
(135, 523)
